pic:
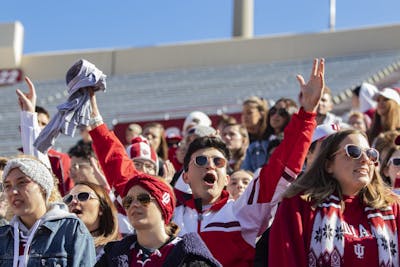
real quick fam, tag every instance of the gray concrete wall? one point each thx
(50, 66)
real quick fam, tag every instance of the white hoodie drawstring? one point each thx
(24, 262)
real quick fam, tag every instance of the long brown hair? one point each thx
(239, 154)
(317, 184)
(108, 224)
(391, 121)
(262, 106)
(385, 144)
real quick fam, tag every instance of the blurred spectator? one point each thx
(238, 182)
(223, 121)
(3, 198)
(155, 134)
(325, 107)
(362, 99)
(195, 118)
(173, 137)
(359, 121)
(143, 155)
(254, 117)
(278, 117)
(84, 165)
(388, 149)
(387, 114)
(133, 130)
(237, 140)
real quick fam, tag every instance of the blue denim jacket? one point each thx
(62, 241)
(256, 155)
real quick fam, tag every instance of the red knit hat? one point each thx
(158, 189)
(140, 149)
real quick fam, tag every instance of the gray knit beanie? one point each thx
(35, 170)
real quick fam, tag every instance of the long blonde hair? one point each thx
(317, 184)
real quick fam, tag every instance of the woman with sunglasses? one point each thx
(258, 152)
(91, 203)
(150, 204)
(338, 213)
(41, 233)
(387, 144)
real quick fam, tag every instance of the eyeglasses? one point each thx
(394, 161)
(81, 197)
(140, 165)
(280, 111)
(144, 200)
(77, 166)
(202, 161)
(355, 152)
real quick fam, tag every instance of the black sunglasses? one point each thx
(281, 111)
(355, 152)
(144, 200)
(202, 161)
(81, 197)
(394, 161)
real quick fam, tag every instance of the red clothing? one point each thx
(60, 164)
(291, 234)
(229, 228)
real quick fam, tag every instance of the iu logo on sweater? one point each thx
(359, 251)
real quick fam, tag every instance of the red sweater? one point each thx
(290, 236)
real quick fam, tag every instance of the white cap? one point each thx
(388, 93)
(324, 130)
(195, 118)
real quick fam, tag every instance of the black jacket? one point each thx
(190, 251)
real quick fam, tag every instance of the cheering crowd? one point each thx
(289, 185)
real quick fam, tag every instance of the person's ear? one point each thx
(386, 171)
(227, 179)
(328, 166)
(185, 177)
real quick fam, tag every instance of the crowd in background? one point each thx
(292, 184)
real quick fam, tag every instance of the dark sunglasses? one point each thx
(144, 200)
(394, 161)
(202, 161)
(81, 197)
(355, 152)
(281, 111)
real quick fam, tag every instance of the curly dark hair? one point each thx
(82, 150)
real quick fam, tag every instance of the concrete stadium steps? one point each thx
(174, 93)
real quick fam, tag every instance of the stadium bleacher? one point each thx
(174, 93)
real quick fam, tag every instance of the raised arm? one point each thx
(255, 208)
(29, 123)
(114, 161)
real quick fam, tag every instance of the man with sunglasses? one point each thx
(229, 228)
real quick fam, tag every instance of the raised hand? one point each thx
(27, 101)
(310, 92)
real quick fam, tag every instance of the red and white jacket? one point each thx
(229, 228)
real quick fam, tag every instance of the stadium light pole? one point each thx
(332, 15)
(243, 18)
